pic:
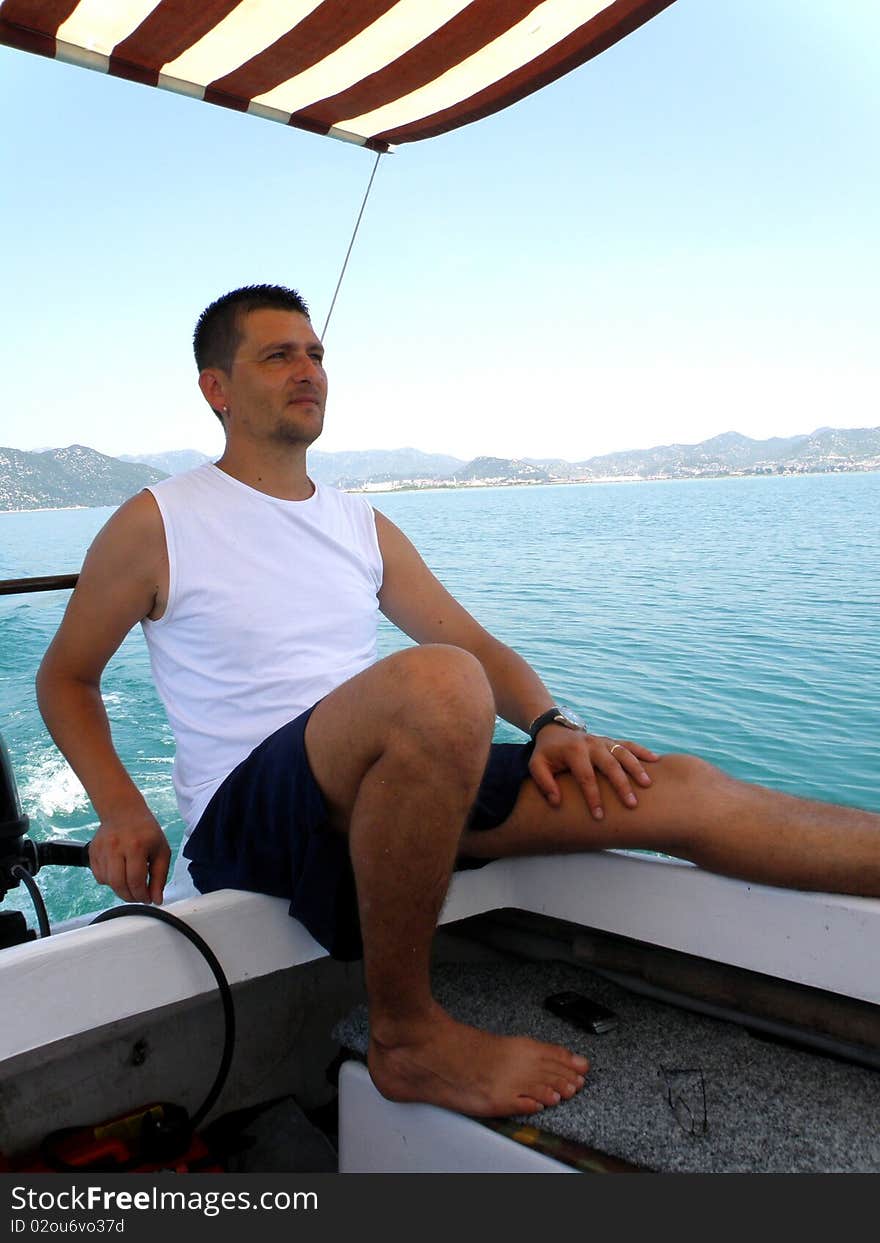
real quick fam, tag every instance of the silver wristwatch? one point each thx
(557, 716)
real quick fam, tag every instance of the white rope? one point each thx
(357, 224)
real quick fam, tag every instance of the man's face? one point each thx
(277, 388)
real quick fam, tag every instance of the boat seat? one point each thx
(128, 967)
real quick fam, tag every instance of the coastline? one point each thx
(437, 485)
(52, 509)
(443, 485)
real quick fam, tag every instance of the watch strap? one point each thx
(553, 716)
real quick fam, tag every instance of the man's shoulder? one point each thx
(131, 539)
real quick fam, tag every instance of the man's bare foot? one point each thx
(443, 1062)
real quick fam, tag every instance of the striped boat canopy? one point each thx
(373, 72)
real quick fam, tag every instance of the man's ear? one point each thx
(213, 388)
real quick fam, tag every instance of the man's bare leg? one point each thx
(694, 811)
(399, 752)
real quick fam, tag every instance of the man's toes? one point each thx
(565, 1062)
(568, 1085)
(562, 1068)
(545, 1093)
(561, 1077)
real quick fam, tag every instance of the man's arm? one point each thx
(121, 581)
(420, 605)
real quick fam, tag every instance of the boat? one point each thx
(751, 995)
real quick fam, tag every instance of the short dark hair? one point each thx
(218, 333)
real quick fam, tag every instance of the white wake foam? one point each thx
(52, 788)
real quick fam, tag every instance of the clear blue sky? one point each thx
(677, 239)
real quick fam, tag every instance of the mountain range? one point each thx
(69, 478)
(78, 476)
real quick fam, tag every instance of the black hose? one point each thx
(153, 912)
(33, 889)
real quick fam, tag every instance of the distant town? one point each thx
(77, 476)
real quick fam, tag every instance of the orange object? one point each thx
(156, 1137)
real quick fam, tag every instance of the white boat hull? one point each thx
(107, 1018)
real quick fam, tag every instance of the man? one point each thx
(308, 768)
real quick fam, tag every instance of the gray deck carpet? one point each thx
(768, 1108)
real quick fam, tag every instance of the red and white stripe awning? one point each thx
(373, 72)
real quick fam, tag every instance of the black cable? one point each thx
(33, 889)
(153, 912)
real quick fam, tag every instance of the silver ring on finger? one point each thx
(611, 750)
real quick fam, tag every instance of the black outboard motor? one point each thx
(13, 827)
(19, 854)
(12, 822)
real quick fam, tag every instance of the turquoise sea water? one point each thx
(738, 619)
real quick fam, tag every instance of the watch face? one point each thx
(556, 716)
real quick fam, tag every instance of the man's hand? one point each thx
(130, 853)
(562, 750)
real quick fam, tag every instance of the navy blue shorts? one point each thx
(265, 830)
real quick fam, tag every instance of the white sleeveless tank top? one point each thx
(271, 605)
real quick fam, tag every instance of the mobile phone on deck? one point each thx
(581, 1011)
